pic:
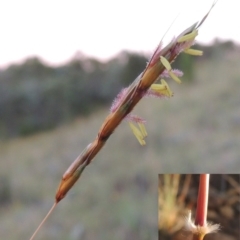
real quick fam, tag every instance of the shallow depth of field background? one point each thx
(116, 198)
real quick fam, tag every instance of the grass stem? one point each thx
(43, 221)
(202, 202)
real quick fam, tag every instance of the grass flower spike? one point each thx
(146, 84)
(158, 90)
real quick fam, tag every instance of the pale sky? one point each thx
(55, 30)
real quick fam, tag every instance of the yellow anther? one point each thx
(142, 129)
(158, 87)
(174, 76)
(138, 134)
(162, 88)
(188, 37)
(165, 63)
(193, 52)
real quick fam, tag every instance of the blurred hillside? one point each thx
(197, 130)
(36, 97)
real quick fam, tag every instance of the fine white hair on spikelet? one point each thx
(203, 230)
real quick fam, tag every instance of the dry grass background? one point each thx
(116, 198)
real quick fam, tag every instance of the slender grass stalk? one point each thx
(202, 205)
(157, 67)
(202, 202)
(40, 225)
(201, 226)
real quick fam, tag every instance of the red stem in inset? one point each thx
(202, 202)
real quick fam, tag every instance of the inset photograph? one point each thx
(199, 206)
